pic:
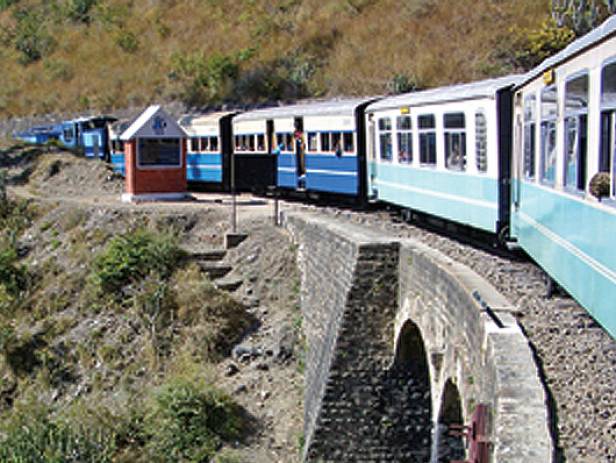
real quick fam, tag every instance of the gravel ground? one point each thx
(577, 357)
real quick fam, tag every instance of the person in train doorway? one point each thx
(300, 149)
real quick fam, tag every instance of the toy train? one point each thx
(527, 158)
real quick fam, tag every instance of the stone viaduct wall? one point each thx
(401, 338)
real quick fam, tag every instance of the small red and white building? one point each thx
(155, 157)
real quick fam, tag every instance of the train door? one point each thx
(300, 152)
(371, 157)
(518, 162)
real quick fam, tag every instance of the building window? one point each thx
(312, 142)
(349, 142)
(481, 141)
(159, 152)
(549, 113)
(608, 123)
(385, 140)
(576, 132)
(455, 141)
(426, 126)
(405, 139)
(530, 122)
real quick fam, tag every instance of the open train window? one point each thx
(481, 141)
(530, 124)
(325, 142)
(194, 145)
(284, 142)
(312, 142)
(455, 141)
(213, 143)
(608, 123)
(385, 139)
(549, 112)
(405, 139)
(349, 142)
(576, 132)
(426, 125)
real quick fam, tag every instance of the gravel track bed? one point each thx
(576, 355)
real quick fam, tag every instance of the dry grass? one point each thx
(357, 46)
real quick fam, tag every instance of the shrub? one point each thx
(127, 41)
(130, 257)
(31, 37)
(13, 279)
(34, 438)
(190, 420)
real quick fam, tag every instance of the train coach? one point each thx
(208, 160)
(313, 147)
(564, 170)
(445, 152)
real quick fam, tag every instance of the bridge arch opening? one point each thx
(447, 447)
(411, 375)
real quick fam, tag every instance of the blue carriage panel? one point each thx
(286, 172)
(332, 174)
(117, 162)
(204, 159)
(572, 240)
(467, 199)
(204, 167)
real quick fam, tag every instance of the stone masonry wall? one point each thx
(358, 290)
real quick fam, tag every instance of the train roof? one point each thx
(188, 121)
(598, 34)
(332, 107)
(481, 89)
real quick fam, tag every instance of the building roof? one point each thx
(154, 122)
(598, 34)
(334, 107)
(481, 89)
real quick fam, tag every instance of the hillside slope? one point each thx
(71, 55)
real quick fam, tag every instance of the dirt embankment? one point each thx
(101, 354)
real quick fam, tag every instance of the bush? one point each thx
(34, 438)
(13, 278)
(31, 37)
(600, 185)
(130, 257)
(189, 421)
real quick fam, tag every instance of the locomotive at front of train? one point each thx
(445, 152)
(313, 147)
(89, 134)
(208, 161)
(564, 186)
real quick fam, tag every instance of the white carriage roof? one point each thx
(605, 30)
(333, 107)
(141, 128)
(189, 121)
(481, 89)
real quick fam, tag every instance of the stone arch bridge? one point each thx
(403, 343)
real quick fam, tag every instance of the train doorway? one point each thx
(300, 151)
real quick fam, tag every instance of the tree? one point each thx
(581, 15)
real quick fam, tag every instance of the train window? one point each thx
(529, 136)
(260, 142)
(205, 144)
(385, 140)
(455, 141)
(349, 143)
(405, 139)
(194, 145)
(312, 142)
(608, 122)
(481, 141)
(426, 125)
(159, 152)
(289, 142)
(576, 128)
(68, 135)
(213, 143)
(337, 142)
(325, 144)
(548, 134)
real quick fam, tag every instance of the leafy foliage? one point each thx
(189, 420)
(130, 257)
(536, 45)
(30, 36)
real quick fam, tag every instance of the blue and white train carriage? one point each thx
(445, 152)
(208, 160)
(565, 139)
(116, 145)
(316, 147)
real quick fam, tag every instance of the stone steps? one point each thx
(210, 261)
